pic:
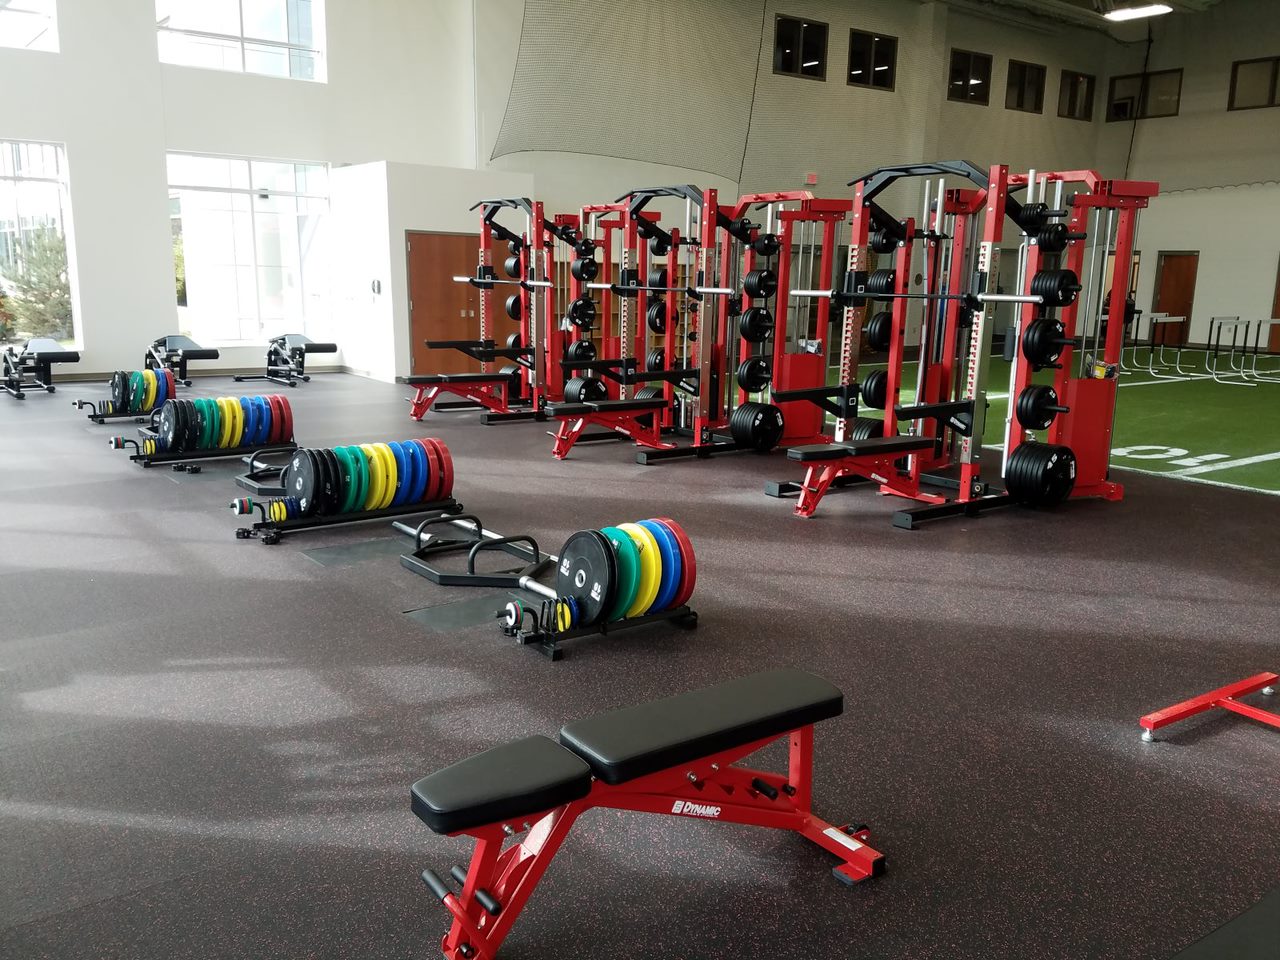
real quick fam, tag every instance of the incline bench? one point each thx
(174, 353)
(33, 365)
(673, 756)
(287, 359)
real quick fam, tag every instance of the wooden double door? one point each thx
(439, 308)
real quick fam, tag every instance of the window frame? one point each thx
(252, 193)
(1093, 94)
(319, 51)
(63, 227)
(875, 38)
(826, 47)
(1008, 79)
(1275, 83)
(1144, 86)
(986, 102)
(54, 43)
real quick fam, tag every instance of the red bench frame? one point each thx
(494, 397)
(715, 789)
(625, 422)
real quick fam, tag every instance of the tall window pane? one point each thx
(35, 280)
(277, 38)
(29, 25)
(873, 60)
(251, 247)
(1075, 96)
(800, 47)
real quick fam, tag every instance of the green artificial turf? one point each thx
(1191, 427)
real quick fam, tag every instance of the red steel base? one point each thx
(707, 789)
(629, 424)
(1224, 698)
(819, 477)
(492, 396)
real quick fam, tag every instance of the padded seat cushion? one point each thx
(625, 744)
(878, 446)
(817, 451)
(505, 783)
(198, 353)
(48, 350)
(625, 406)
(476, 378)
(565, 409)
(872, 446)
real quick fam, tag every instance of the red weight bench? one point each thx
(637, 419)
(489, 390)
(676, 756)
(872, 459)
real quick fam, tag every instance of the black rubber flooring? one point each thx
(206, 744)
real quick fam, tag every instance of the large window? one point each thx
(35, 287)
(1254, 84)
(1142, 96)
(251, 248)
(970, 77)
(873, 60)
(800, 48)
(1024, 89)
(278, 38)
(29, 24)
(1075, 96)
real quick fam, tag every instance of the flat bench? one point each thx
(32, 366)
(674, 756)
(872, 446)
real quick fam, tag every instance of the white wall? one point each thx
(399, 88)
(434, 199)
(1234, 229)
(1205, 145)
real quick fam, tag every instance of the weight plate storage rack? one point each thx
(328, 486)
(608, 580)
(211, 428)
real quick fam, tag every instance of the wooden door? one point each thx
(1175, 293)
(439, 308)
(1274, 344)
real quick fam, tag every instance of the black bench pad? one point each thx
(504, 783)
(46, 350)
(817, 451)
(633, 742)
(199, 353)
(627, 406)
(429, 379)
(873, 446)
(564, 408)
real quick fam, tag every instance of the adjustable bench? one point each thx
(675, 756)
(32, 366)
(872, 458)
(632, 418)
(174, 353)
(287, 359)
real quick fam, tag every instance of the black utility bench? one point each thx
(287, 359)
(32, 366)
(174, 353)
(674, 756)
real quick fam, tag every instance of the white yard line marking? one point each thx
(1225, 465)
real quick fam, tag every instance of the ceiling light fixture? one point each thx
(1120, 14)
